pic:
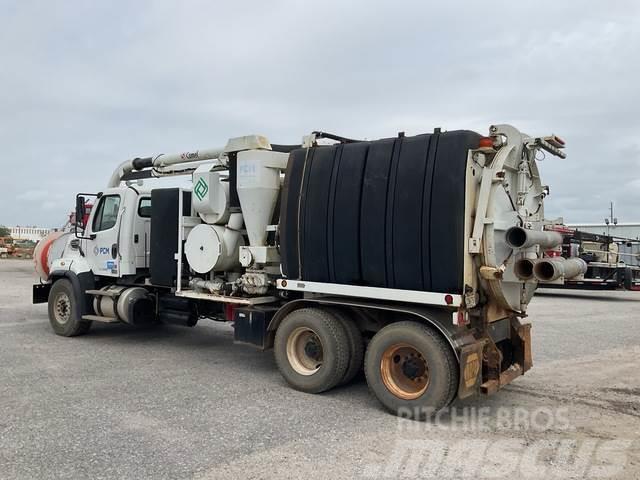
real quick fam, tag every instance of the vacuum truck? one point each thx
(407, 257)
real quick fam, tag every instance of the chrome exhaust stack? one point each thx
(518, 237)
(549, 270)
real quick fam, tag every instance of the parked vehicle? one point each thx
(7, 247)
(611, 263)
(23, 249)
(401, 255)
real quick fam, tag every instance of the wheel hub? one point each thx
(312, 349)
(404, 371)
(62, 308)
(304, 351)
(412, 368)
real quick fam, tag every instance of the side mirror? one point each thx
(83, 210)
(80, 212)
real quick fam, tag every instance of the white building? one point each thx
(29, 233)
(623, 230)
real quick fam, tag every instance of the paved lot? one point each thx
(173, 402)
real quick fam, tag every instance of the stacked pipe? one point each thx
(551, 269)
(544, 270)
(518, 237)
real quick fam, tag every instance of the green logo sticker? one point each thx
(200, 189)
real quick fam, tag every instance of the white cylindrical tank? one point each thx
(49, 249)
(213, 248)
(210, 195)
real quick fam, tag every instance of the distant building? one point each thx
(29, 233)
(624, 230)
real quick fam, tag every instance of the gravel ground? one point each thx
(171, 402)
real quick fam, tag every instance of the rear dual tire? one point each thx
(356, 345)
(411, 370)
(318, 349)
(311, 350)
(410, 367)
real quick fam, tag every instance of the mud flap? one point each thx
(523, 346)
(40, 293)
(521, 361)
(470, 369)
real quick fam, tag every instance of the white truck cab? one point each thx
(117, 235)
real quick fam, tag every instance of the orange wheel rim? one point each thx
(404, 371)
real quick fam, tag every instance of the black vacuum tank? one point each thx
(384, 213)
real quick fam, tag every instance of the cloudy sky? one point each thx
(85, 85)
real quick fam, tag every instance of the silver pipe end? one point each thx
(524, 268)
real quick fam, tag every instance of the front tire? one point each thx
(65, 316)
(411, 370)
(312, 350)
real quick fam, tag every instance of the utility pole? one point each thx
(611, 219)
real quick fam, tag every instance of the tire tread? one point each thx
(356, 345)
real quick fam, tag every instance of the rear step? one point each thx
(98, 318)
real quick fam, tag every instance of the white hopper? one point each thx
(258, 186)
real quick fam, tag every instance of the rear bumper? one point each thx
(521, 360)
(486, 367)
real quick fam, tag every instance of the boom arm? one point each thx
(164, 165)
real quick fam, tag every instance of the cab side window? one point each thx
(144, 207)
(107, 213)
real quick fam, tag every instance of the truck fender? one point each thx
(75, 264)
(81, 282)
(284, 311)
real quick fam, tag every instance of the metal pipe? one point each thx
(523, 268)
(160, 162)
(163, 160)
(121, 170)
(518, 237)
(549, 270)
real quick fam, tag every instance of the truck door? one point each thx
(102, 252)
(142, 232)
